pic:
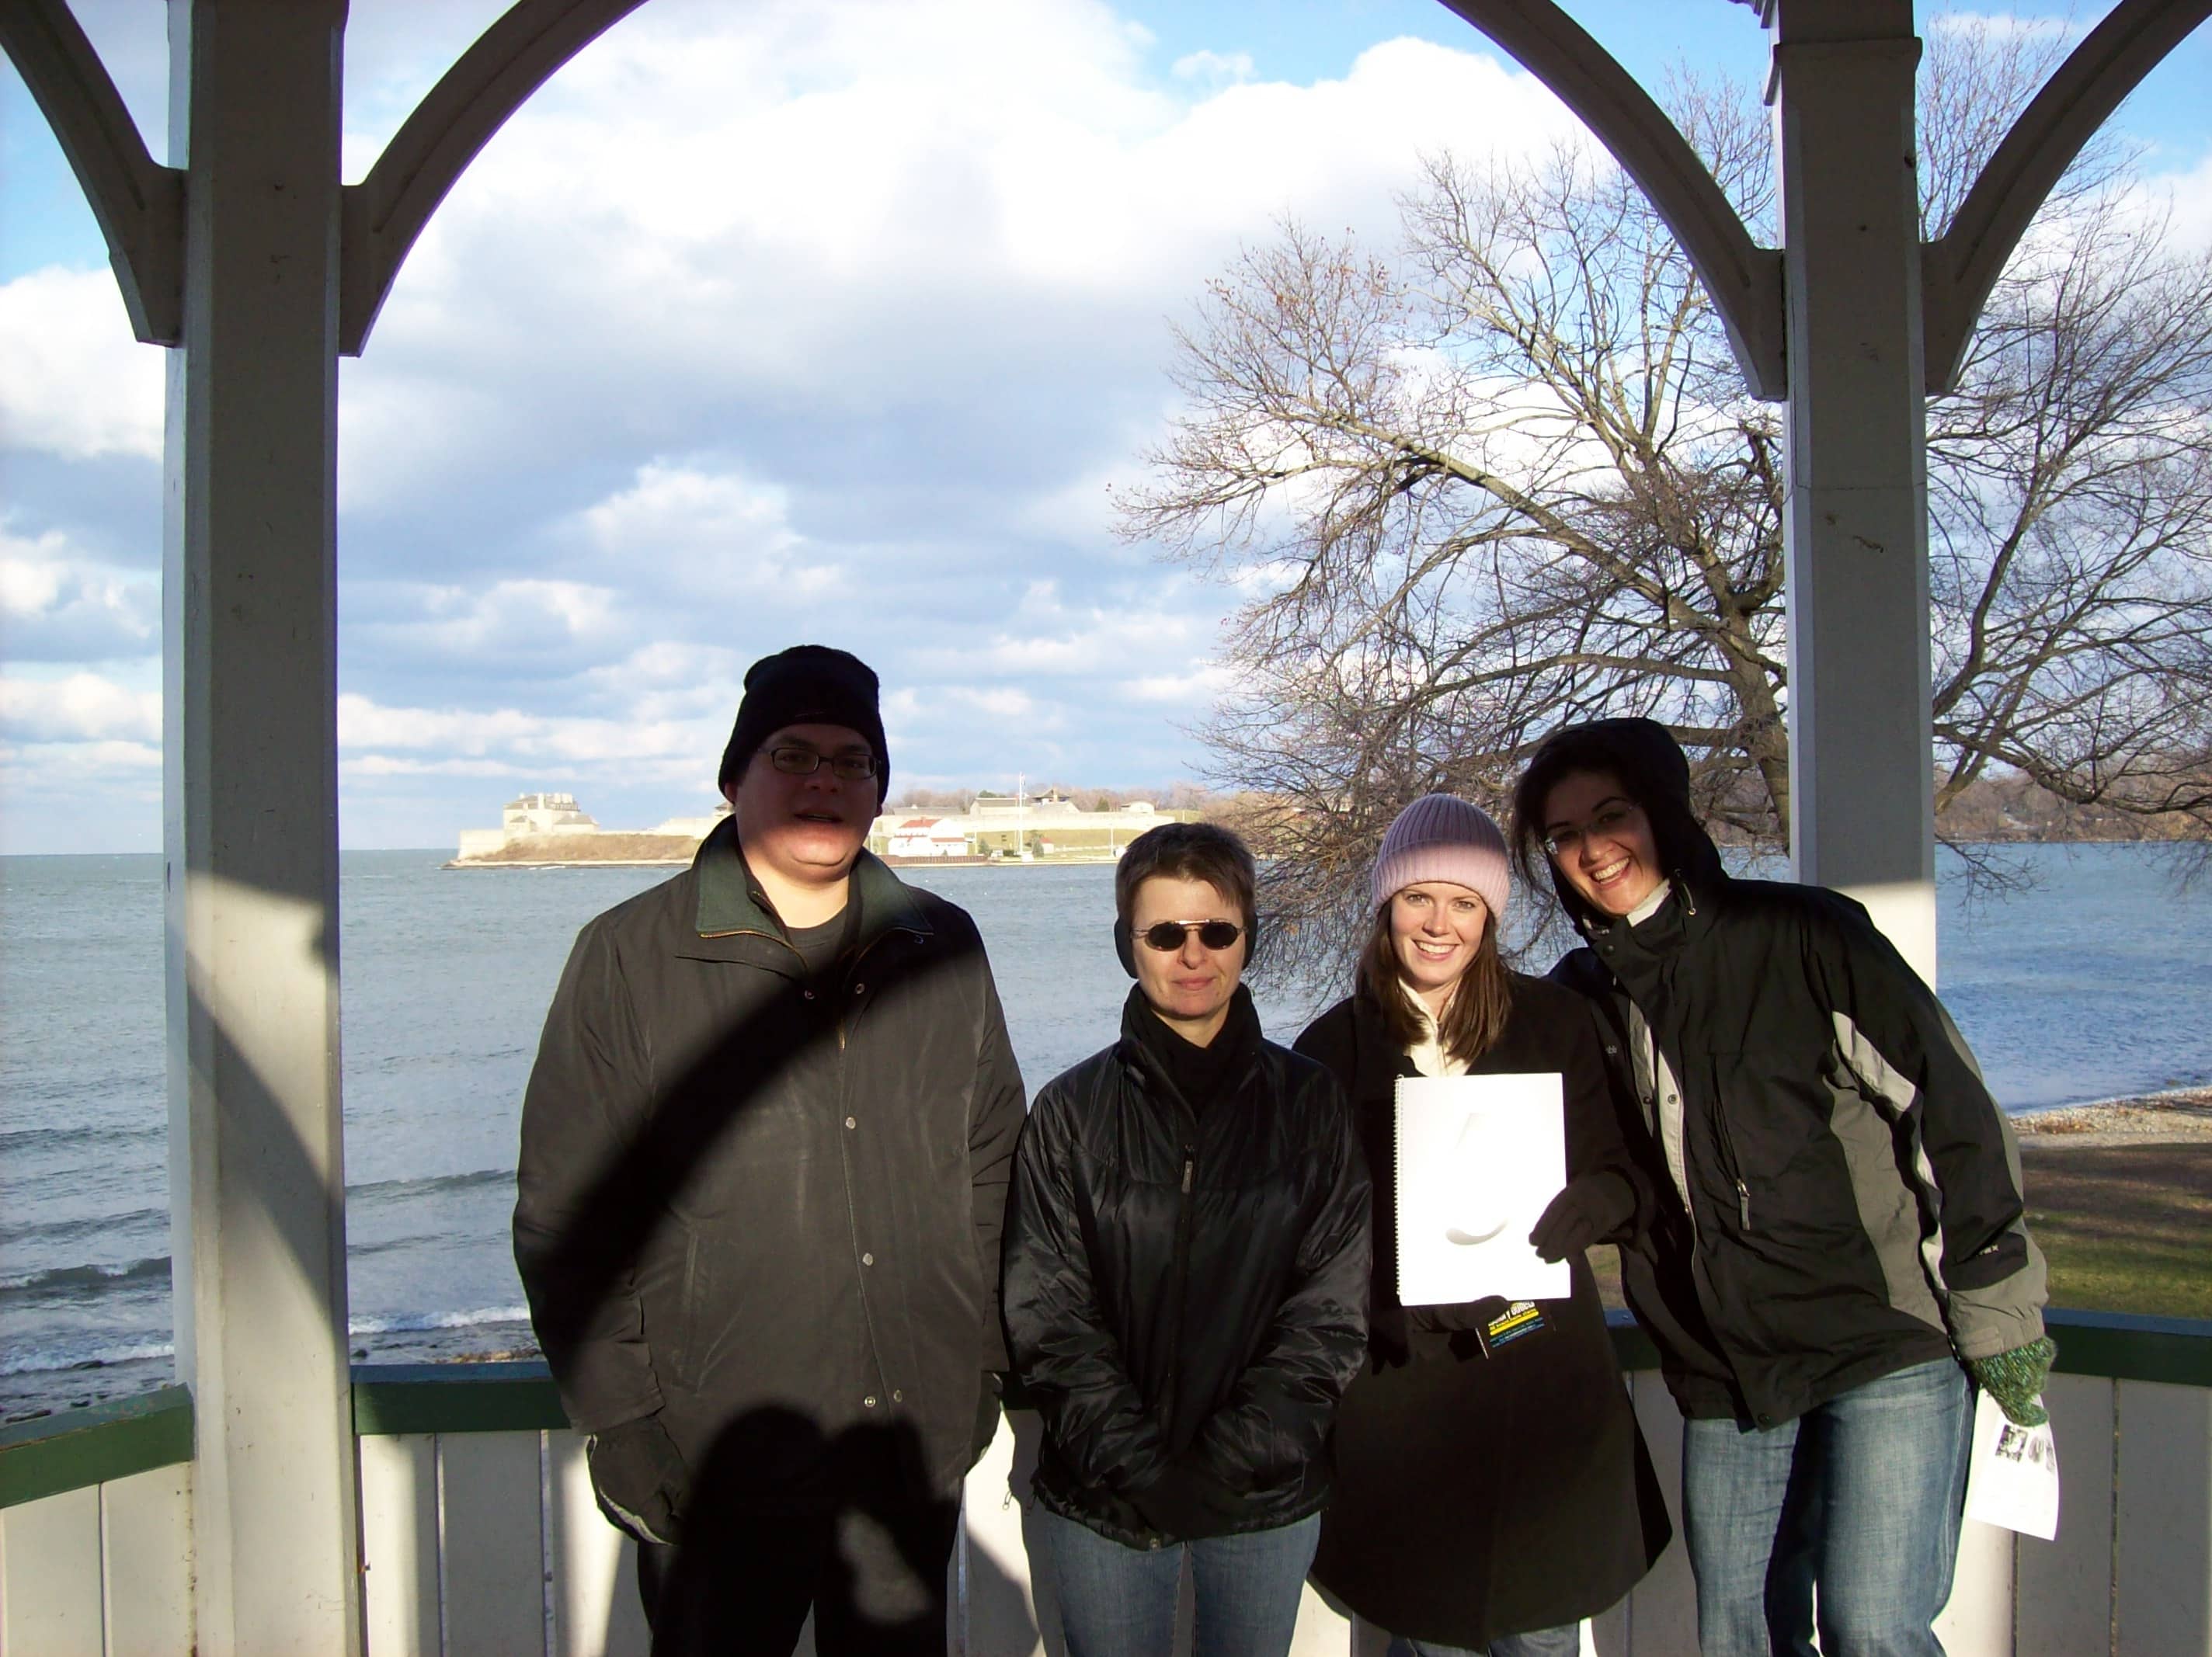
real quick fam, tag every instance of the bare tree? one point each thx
(1507, 476)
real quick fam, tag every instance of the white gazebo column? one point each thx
(1862, 784)
(1862, 807)
(257, 1171)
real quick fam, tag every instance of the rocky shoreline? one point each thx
(2179, 1113)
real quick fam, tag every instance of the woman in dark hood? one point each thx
(1838, 1241)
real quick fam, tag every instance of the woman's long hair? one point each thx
(1474, 1019)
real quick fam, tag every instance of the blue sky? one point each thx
(792, 320)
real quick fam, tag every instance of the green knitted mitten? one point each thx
(2015, 1379)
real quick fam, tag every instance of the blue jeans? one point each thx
(1563, 1642)
(1862, 1495)
(1117, 1602)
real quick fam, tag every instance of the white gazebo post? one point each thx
(1862, 795)
(257, 1171)
(1861, 789)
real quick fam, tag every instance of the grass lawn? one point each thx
(2126, 1228)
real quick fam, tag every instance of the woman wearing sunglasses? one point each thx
(1186, 1282)
(1491, 1488)
(1837, 1238)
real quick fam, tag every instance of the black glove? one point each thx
(1388, 1345)
(986, 1416)
(639, 1478)
(1594, 1207)
(1188, 1503)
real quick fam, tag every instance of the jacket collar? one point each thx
(1141, 1026)
(1683, 918)
(732, 913)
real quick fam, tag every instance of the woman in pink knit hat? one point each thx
(1491, 1488)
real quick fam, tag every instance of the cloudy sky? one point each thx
(781, 321)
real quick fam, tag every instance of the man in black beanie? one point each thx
(764, 1158)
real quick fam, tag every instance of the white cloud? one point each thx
(78, 708)
(947, 181)
(130, 756)
(717, 525)
(2189, 195)
(29, 586)
(517, 614)
(1215, 68)
(1000, 702)
(363, 724)
(386, 765)
(1048, 639)
(73, 381)
(1193, 690)
(58, 603)
(2004, 25)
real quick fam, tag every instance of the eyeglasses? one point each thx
(796, 761)
(1606, 823)
(1168, 935)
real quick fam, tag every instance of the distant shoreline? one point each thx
(567, 863)
(1054, 861)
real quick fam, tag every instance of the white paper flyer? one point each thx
(1480, 1158)
(2013, 1479)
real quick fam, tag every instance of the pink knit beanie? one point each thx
(1441, 837)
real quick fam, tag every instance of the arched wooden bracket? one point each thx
(1959, 271)
(138, 204)
(386, 210)
(1744, 279)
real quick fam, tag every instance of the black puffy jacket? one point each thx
(1187, 1285)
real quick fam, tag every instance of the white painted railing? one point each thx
(478, 1544)
(104, 1568)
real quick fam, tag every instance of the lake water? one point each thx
(2087, 985)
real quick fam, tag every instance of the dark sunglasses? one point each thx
(1168, 935)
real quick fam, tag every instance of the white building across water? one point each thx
(1018, 826)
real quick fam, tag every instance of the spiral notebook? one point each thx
(1479, 1158)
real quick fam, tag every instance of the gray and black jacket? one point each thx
(764, 1206)
(1839, 1196)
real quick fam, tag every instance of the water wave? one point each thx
(60, 1233)
(411, 1323)
(39, 1361)
(476, 1179)
(17, 1141)
(67, 1282)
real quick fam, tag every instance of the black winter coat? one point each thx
(768, 1210)
(1854, 1198)
(1182, 1280)
(1480, 1496)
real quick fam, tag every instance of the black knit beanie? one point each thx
(806, 684)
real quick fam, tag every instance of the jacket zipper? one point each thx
(1731, 1166)
(1182, 1268)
